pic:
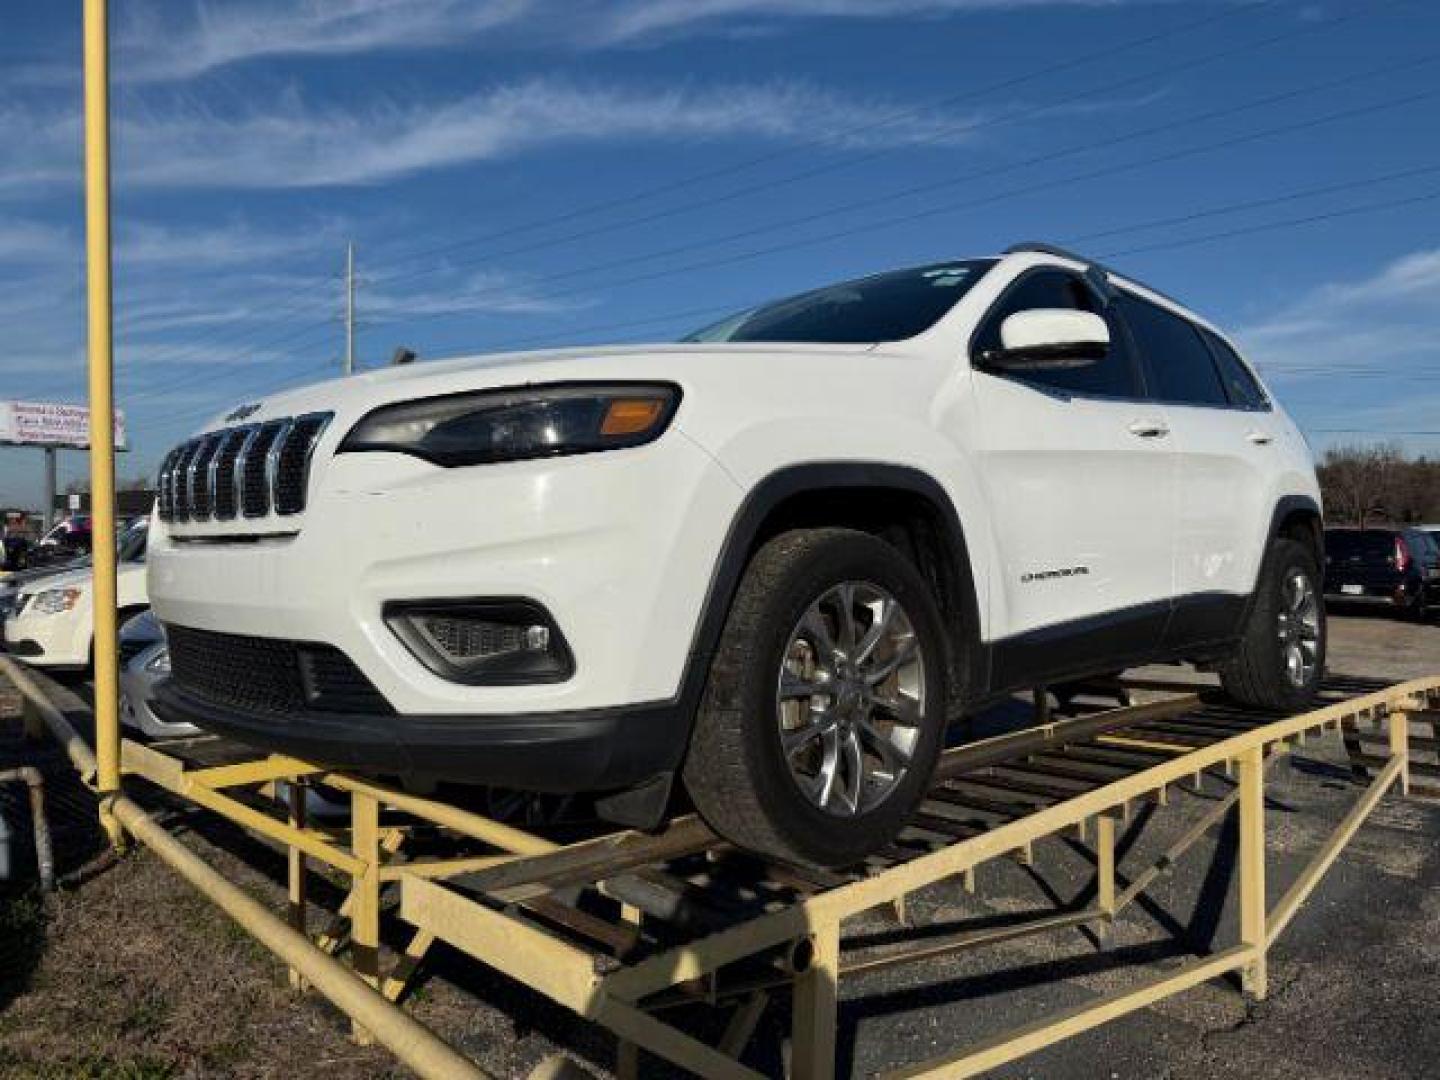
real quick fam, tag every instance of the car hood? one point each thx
(351, 398)
(20, 578)
(70, 578)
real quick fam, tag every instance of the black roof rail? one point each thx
(1041, 248)
(1050, 249)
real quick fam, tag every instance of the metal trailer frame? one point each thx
(622, 927)
(39, 824)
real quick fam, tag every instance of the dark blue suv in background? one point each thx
(1393, 566)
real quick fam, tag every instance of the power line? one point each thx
(1140, 226)
(869, 126)
(288, 337)
(1154, 223)
(309, 330)
(1212, 211)
(1255, 204)
(1331, 215)
(1226, 234)
(920, 189)
(648, 193)
(862, 129)
(951, 208)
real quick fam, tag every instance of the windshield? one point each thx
(132, 544)
(885, 307)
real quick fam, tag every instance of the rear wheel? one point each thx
(825, 707)
(1281, 658)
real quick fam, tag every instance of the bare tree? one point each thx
(1378, 482)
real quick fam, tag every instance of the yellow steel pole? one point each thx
(102, 408)
(816, 1004)
(1253, 932)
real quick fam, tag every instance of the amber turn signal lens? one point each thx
(631, 416)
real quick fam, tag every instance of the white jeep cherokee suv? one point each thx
(775, 559)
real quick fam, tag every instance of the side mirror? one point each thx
(1046, 339)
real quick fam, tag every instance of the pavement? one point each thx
(1355, 979)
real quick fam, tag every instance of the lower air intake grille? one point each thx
(128, 650)
(270, 676)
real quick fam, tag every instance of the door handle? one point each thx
(1260, 438)
(1150, 429)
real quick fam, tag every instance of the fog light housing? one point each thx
(483, 642)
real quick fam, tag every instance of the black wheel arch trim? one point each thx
(1286, 507)
(785, 483)
(1290, 505)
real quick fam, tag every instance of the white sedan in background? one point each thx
(53, 623)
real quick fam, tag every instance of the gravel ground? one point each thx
(127, 973)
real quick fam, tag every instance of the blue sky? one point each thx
(527, 172)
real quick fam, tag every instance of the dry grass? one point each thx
(140, 977)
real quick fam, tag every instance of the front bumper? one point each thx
(137, 699)
(55, 641)
(618, 547)
(583, 750)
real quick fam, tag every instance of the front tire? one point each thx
(825, 707)
(1281, 658)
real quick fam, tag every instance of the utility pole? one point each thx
(349, 309)
(48, 515)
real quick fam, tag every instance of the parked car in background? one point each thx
(144, 663)
(74, 533)
(13, 584)
(52, 621)
(1395, 567)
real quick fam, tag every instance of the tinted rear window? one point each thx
(1368, 543)
(1181, 365)
(1244, 391)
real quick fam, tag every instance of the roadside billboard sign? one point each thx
(45, 423)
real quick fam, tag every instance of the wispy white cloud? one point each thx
(631, 20)
(198, 249)
(1387, 324)
(51, 140)
(487, 292)
(292, 144)
(26, 241)
(168, 40)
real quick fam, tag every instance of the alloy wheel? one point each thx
(1298, 625)
(850, 698)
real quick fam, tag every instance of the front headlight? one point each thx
(159, 664)
(55, 601)
(512, 425)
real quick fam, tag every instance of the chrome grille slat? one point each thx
(251, 471)
(292, 462)
(224, 503)
(163, 496)
(255, 492)
(197, 476)
(179, 480)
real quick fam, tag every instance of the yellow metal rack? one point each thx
(622, 927)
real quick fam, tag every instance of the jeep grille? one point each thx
(250, 471)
